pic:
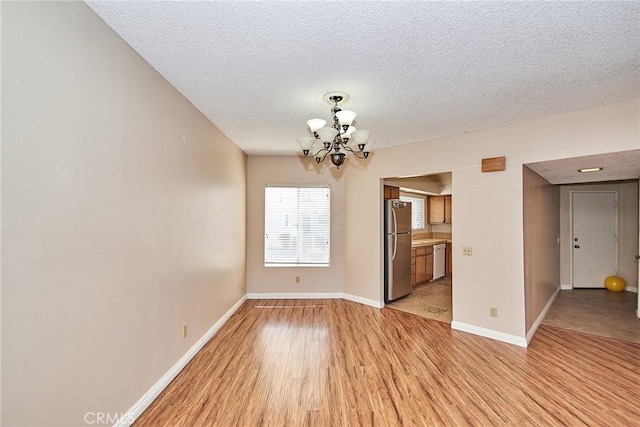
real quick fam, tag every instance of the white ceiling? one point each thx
(414, 70)
(619, 166)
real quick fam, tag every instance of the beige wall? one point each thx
(541, 223)
(123, 217)
(627, 228)
(263, 170)
(487, 207)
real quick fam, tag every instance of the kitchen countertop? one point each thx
(428, 242)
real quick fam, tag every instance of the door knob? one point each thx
(576, 246)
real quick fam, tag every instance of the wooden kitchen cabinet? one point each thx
(429, 265)
(413, 268)
(439, 209)
(436, 209)
(391, 192)
(447, 260)
(447, 209)
(423, 265)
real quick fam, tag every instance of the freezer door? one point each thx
(397, 216)
(398, 266)
(403, 218)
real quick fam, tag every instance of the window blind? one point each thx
(417, 211)
(296, 226)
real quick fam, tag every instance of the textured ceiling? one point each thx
(618, 166)
(414, 70)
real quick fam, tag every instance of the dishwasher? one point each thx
(438, 260)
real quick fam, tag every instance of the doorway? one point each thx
(595, 309)
(431, 286)
(594, 237)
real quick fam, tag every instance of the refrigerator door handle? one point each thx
(395, 246)
(395, 233)
(395, 221)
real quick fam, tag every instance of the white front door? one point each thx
(593, 239)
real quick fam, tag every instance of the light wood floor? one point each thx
(591, 311)
(339, 363)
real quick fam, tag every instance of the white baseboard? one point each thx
(327, 295)
(628, 288)
(139, 407)
(566, 286)
(361, 300)
(294, 295)
(540, 318)
(489, 333)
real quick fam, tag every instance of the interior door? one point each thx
(594, 241)
(638, 255)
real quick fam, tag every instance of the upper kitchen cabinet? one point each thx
(391, 192)
(447, 209)
(439, 209)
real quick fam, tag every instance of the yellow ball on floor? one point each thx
(615, 283)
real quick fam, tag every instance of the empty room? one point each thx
(216, 213)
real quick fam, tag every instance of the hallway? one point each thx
(596, 312)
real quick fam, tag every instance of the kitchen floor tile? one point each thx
(431, 300)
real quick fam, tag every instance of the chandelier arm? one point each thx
(317, 155)
(349, 149)
(321, 151)
(358, 154)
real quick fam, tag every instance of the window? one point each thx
(417, 211)
(296, 226)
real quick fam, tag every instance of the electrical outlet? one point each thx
(466, 250)
(297, 279)
(493, 311)
(185, 330)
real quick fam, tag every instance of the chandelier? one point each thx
(335, 138)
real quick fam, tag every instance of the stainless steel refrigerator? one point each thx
(397, 249)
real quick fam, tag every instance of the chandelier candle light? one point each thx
(335, 138)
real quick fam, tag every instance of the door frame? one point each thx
(615, 226)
